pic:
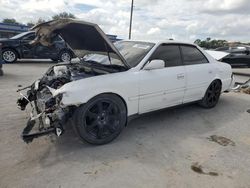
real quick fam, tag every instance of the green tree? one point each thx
(210, 43)
(197, 41)
(63, 15)
(10, 21)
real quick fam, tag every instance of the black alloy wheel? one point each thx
(212, 95)
(101, 120)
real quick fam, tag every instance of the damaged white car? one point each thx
(113, 82)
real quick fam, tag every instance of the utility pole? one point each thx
(131, 16)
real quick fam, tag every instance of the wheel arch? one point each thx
(67, 50)
(112, 93)
(217, 79)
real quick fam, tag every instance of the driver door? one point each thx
(27, 49)
(161, 88)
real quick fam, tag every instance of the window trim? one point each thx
(195, 48)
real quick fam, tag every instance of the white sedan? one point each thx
(113, 82)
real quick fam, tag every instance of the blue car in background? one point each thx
(1, 62)
(19, 47)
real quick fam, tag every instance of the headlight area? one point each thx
(51, 119)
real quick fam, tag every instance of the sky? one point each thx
(183, 20)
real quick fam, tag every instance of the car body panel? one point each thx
(156, 87)
(80, 91)
(199, 78)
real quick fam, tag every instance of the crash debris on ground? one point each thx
(242, 87)
(196, 167)
(221, 140)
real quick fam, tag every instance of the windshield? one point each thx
(132, 51)
(20, 35)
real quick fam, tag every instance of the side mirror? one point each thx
(155, 64)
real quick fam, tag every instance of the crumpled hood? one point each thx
(82, 37)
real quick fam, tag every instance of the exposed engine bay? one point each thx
(47, 110)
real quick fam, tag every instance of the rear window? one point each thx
(192, 56)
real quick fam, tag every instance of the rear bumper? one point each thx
(231, 85)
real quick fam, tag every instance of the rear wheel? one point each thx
(9, 55)
(1, 70)
(212, 95)
(101, 120)
(65, 56)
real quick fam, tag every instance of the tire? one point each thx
(100, 120)
(9, 55)
(65, 56)
(1, 68)
(212, 95)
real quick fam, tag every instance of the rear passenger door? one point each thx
(200, 73)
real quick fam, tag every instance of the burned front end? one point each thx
(47, 111)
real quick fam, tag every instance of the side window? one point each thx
(170, 54)
(192, 56)
(57, 38)
(29, 37)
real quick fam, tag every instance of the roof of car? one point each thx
(162, 41)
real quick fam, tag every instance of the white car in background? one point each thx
(113, 82)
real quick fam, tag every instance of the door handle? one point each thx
(210, 71)
(180, 76)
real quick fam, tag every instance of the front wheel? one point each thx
(101, 120)
(212, 95)
(9, 55)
